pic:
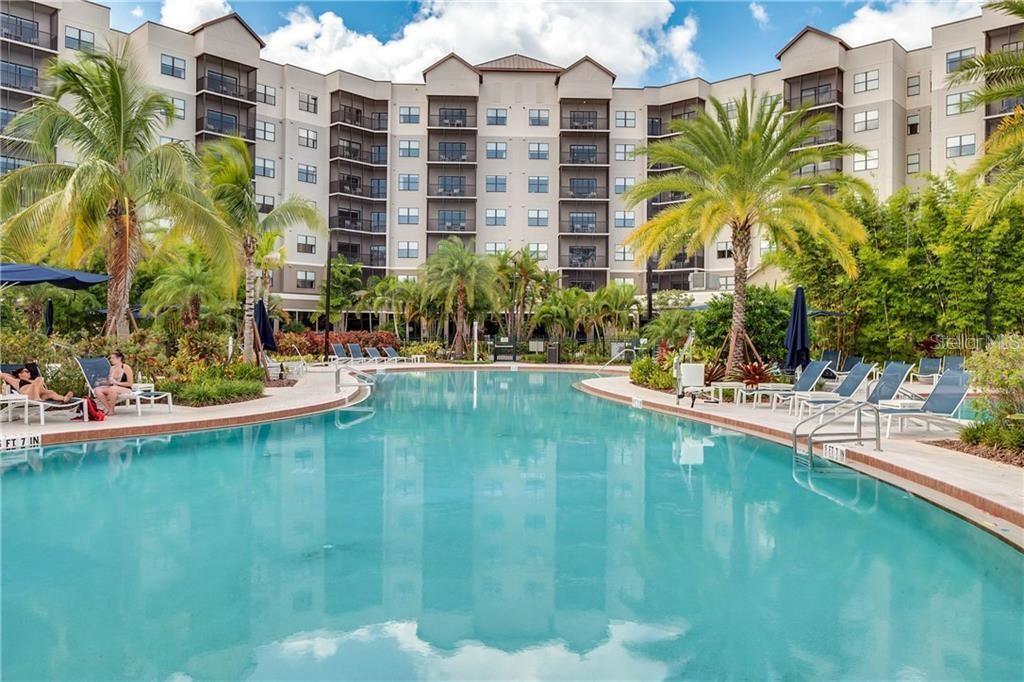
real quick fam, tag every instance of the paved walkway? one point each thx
(986, 492)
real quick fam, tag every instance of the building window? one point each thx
(408, 278)
(625, 219)
(307, 138)
(408, 114)
(306, 243)
(624, 281)
(495, 217)
(308, 102)
(537, 184)
(496, 183)
(959, 103)
(408, 216)
(538, 251)
(960, 145)
(497, 116)
(497, 150)
(267, 94)
(539, 117)
(866, 161)
(866, 80)
(409, 182)
(625, 119)
(265, 130)
(408, 249)
(726, 283)
(537, 151)
(409, 148)
(537, 217)
(307, 173)
(266, 168)
(723, 250)
(77, 39)
(913, 85)
(179, 108)
(172, 66)
(913, 163)
(494, 248)
(865, 120)
(304, 279)
(957, 57)
(265, 203)
(730, 109)
(766, 246)
(625, 152)
(913, 124)
(623, 252)
(623, 184)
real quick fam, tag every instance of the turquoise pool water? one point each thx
(488, 525)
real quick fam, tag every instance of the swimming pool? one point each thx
(488, 525)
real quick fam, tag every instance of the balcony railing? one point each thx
(337, 222)
(25, 31)
(588, 285)
(451, 190)
(339, 151)
(373, 260)
(657, 127)
(222, 86)
(439, 225)
(829, 136)
(448, 156)
(357, 189)
(668, 197)
(824, 168)
(594, 122)
(452, 120)
(377, 120)
(206, 124)
(582, 260)
(679, 263)
(580, 158)
(583, 226)
(816, 99)
(587, 192)
(264, 208)
(1003, 107)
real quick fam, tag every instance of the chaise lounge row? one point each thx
(355, 354)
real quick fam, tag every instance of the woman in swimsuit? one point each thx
(119, 381)
(35, 389)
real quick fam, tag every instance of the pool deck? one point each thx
(985, 492)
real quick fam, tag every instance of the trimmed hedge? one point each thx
(648, 373)
(312, 343)
(212, 391)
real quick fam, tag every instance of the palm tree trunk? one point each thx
(741, 261)
(248, 314)
(121, 259)
(460, 323)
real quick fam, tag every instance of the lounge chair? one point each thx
(375, 355)
(356, 354)
(98, 369)
(11, 400)
(852, 382)
(807, 381)
(849, 362)
(887, 387)
(339, 353)
(393, 355)
(953, 362)
(927, 368)
(941, 405)
(832, 357)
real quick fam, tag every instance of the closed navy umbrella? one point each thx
(263, 327)
(798, 337)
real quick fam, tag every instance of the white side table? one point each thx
(718, 389)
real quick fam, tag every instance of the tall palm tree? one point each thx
(102, 111)
(460, 279)
(743, 174)
(270, 254)
(346, 282)
(189, 282)
(1000, 79)
(228, 171)
(617, 308)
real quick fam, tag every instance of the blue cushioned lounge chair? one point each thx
(809, 378)
(927, 368)
(852, 382)
(941, 405)
(96, 370)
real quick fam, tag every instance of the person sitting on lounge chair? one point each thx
(118, 381)
(35, 389)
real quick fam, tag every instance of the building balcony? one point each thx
(680, 262)
(446, 156)
(357, 189)
(816, 99)
(830, 136)
(582, 260)
(451, 191)
(229, 88)
(660, 128)
(582, 227)
(1003, 107)
(376, 121)
(346, 153)
(824, 168)
(589, 123)
(438, 225)
(583, 193)
(264, 208)
(370, 260)
(26, 31)
(337, 222)
(662, 167)
(667, 198)
(578, 158)
(26, 80)
(451, 121)
(206, 124)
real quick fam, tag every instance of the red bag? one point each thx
(95, 414)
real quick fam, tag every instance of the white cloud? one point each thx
(760, 14)
(187, 14)
(627, 42)
(137, 11)
(908, 22)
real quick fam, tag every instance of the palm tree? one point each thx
(270, 254)
(460, 278)
(101, 110)
(743, 174)
(189, 282)
(346, 282)
(229, 171)
(1000, 78)
(617, 308)
(671, 326)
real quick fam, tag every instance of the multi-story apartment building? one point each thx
(513, 152)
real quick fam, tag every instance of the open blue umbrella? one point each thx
(263, 327)
(798, 337)
(20, 274)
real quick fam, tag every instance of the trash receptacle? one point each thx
(553, 352)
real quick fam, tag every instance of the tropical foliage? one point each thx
(461, 280)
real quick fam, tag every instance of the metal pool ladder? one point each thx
(362, 378)
(844, 408)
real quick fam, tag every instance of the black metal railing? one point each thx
(680, 262)
(667, 197)
(816, 99)
(657, 127)
(583, 226)
(584, 158)
(337, 222)
(207, 124)
(222, 86)
(26, 31)
(582, 260)
(452, 120)
(444, 225)
(583, 192)
(590, 122)
(357, 189)
(451, 190)
(375, 120)
(340, 151)
(264, 208)
(828, 136)
(450, 156)
(1003, 107)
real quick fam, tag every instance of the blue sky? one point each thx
(645, 42)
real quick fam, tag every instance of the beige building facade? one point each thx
(510, 153)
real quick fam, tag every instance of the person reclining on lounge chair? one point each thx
(118, 381)
(35, 389)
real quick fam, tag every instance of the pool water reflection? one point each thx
(488, 525)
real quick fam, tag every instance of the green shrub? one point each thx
(767, 316)
(646, 372)
(212, 391)
(432, 349)
(533, 357)
(999, 372)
